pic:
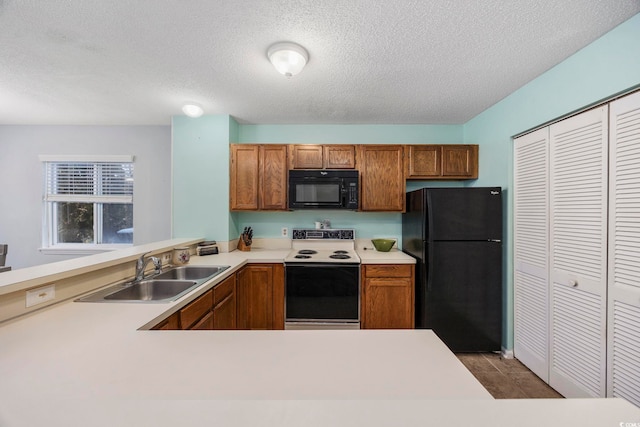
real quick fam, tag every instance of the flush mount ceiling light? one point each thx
(192, 110)
(288, 58)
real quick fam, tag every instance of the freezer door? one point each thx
(464, 213)
(464, 294)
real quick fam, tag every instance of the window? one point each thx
(88, 202)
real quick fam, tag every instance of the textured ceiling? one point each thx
(371, 61)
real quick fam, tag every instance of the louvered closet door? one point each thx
(623, 379)
(578, 213)
(531, 253)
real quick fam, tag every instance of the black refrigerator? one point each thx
(455, 234)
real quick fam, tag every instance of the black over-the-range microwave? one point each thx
(323, 189)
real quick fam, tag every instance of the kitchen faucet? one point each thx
(142, 262)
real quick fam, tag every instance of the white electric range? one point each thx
(322, 280)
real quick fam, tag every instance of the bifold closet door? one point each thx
(623, 379)
(531, 251)
(578, 253)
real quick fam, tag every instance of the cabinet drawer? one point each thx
(388, 270)
(224, 289)
(194, 311)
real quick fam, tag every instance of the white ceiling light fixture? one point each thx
(288, 58)
(192, 110)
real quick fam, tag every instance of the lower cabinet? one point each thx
(387, 296)
(215, 309)
(261, 296)
(253, 298)
(224, 304)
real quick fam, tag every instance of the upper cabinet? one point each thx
(382, 183)
(441, 162)
(309, 156)
(259, 172)
(258, 177)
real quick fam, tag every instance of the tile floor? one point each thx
(506, 378)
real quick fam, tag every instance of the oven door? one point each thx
(322, 293)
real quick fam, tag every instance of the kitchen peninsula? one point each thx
(96, 364)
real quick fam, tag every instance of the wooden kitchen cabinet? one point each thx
(382, 183)
(261, 296)
(204, 324)
(441, 162)
(171, 323)
(387, 296)
(314, 156)
(272, 193)
(216, 309)
(258, 177)
(193, 314)
(224, 304)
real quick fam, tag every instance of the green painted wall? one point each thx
(367, 224)
(200, 176)
(606, 67)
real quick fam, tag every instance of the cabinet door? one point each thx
(424, 161)
(578, 253)
(224, 304)
(388, 296)
(244, 178)
(460, 161)
(224, 313)
(339, 157)
(382, 184)
(531, 251)
(306, 156)
(623, 379)
(206, 323)
(273, 176)
(388, 303)
(255, 297)
(278, 296)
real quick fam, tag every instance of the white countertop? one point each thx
(394, 256)
(90, 364)
(318, 413)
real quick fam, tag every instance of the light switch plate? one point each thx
(40, 295)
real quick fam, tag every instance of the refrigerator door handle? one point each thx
(428, 275)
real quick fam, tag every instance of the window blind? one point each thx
(105, 182)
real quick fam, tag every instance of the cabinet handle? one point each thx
(573, 283)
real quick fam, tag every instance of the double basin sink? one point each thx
(164, 287)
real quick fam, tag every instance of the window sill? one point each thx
(81, 250)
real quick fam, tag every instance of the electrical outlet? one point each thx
(285, 231)
(166, 258)
(40, 295)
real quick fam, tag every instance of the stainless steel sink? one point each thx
(153, 290)
(191, 272)
(164, 287)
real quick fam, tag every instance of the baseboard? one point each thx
(507, 354)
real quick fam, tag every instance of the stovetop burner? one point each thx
(330, 246)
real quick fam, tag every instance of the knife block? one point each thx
(242, 246)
